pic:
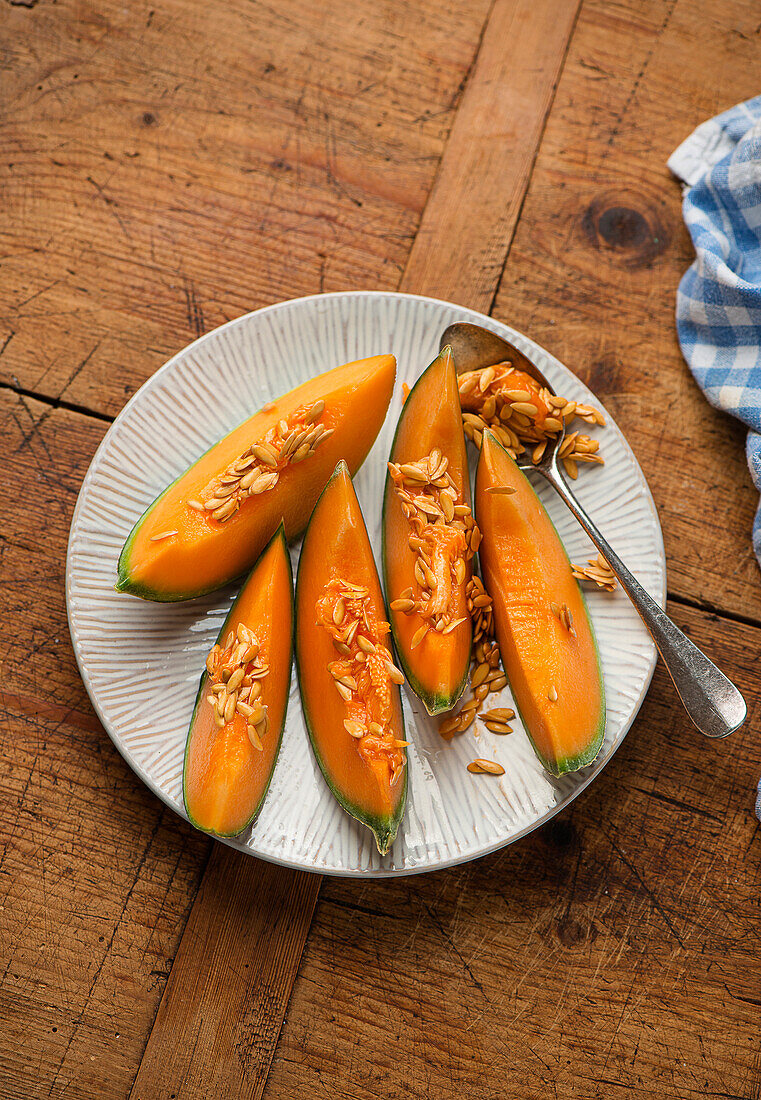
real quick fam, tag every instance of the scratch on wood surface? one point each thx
(680, 804)
(621, 1016)
(455, 950)
(640, 75)
(193, 309)
(106, 951)
(648, 891)
(6, 342)
(34, 432)
(113, 207)
(78, 370)
(43, 290)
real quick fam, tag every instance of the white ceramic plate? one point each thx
(141, 662)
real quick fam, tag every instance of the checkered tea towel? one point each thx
(718, 304)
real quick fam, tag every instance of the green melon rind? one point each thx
(124, 583)
(279, 533)
(570, 763)
(384, 829)
(433, 703)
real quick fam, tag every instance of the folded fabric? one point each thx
(718, 306)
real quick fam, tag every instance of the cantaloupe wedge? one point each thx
(210, 525)
(237, 722)
(349, 684)
(543, 628)
(427, 555)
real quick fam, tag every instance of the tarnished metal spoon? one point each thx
(713, 703)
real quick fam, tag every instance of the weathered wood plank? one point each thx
(469, 220)
(167, 168)
(614, 951)
(96, 881)
(599, 251)
(96, 878)
(230, 983)
(46, 454)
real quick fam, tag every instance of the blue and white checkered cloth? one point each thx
(718, 305)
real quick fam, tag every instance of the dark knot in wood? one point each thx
(636, 236)
(570, 932)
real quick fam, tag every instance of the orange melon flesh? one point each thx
(526, 569)
(336, 548)
(437, 667)
(205, 554)
(225, 778)
(508, 378)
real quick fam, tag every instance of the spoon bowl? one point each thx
(474, 348)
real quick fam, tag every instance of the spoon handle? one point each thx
(713, 703)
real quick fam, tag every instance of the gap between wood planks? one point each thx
(57, 403)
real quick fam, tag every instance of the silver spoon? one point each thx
(713, 703)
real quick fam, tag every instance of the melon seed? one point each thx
(450, 723)
(315, 411)
(498, 714)
(343, 691)
(395, 675)
(235, 680)
(491, 767)
(478, 677)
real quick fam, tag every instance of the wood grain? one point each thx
(613, 952)
(469, 220)
(228, 990)
(166, 168)
(96, 882)
(599, 251)
(96, 877)
(46, 453)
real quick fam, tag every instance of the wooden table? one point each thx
(168, 167)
